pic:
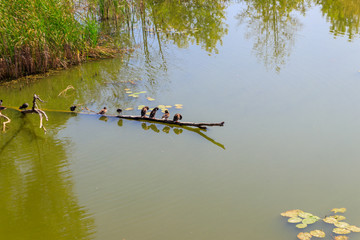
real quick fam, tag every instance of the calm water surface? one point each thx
(285, 80)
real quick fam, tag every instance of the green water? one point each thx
(284, 76)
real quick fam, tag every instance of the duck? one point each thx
(103, 111)
(119, 110)
(24, 106)
(72, 108)
(177, 117)
(166, 115)
(143, 111)
(153, 112)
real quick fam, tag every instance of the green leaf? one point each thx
(294, 220)
(301, 225)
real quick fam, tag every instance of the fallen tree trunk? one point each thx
(199, 125)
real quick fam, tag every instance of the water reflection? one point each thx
(37, 199)
(272, 24)
(343, 15)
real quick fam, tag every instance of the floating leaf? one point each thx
(294, 220)
(178, 107)
(140, 107)
(168, 106)
(127, 89)
(318, 233)
(142, 92)
(340, 210)
(128, 92)
(341, 224)
(178, 104)
(310, 220)
(129, 109)
(134, 95)
(341, 238)
(305, 215)
(339, 217)
(291, 213)
(161, 106)
(353, 228)
(341, 231)
(301, 225)
(150, 99)
(304, 236)
(330, 220)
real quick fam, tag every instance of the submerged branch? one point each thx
(4, 123)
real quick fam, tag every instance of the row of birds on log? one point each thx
(24, 106)
(103, 111)
(166, 115)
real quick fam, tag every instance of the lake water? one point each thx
(284, 78)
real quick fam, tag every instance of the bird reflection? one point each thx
(144, 126)
(103, 118)
(166, 129)
(154, 128)
(120, 123)
(178, 131)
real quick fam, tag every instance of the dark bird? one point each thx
(119, 110)
(1, 102)
(177, 117)
(24, 106)
(166, 115)
(153, 112)
(2, 108)
(143, 111)
(72, 108)
(103, 111)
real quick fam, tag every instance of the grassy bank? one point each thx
(37, 35)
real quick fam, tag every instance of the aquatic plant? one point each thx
(304, 219)
(36, 35)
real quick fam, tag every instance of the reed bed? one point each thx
(38, 35)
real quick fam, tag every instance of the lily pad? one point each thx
(161, 106)
(150, 99)
(291, 213)
(341, 224)
(129, 109)
(301, 225)
(339, 217)
(127, 89)
(318, 233)
(330, 220)
(341, 238)
(128, 92)
(304, 236)
(168, 106)
(140, 107)
(295, 220)
(134, 95)
(341, 231)
(340, 210)
(310, 220)
(353, 228)
(178, 104)
(178, 107)
(305, 215)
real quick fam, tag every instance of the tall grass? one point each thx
(36, 35)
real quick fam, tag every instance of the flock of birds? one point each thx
(166, 115)
(103, 111)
